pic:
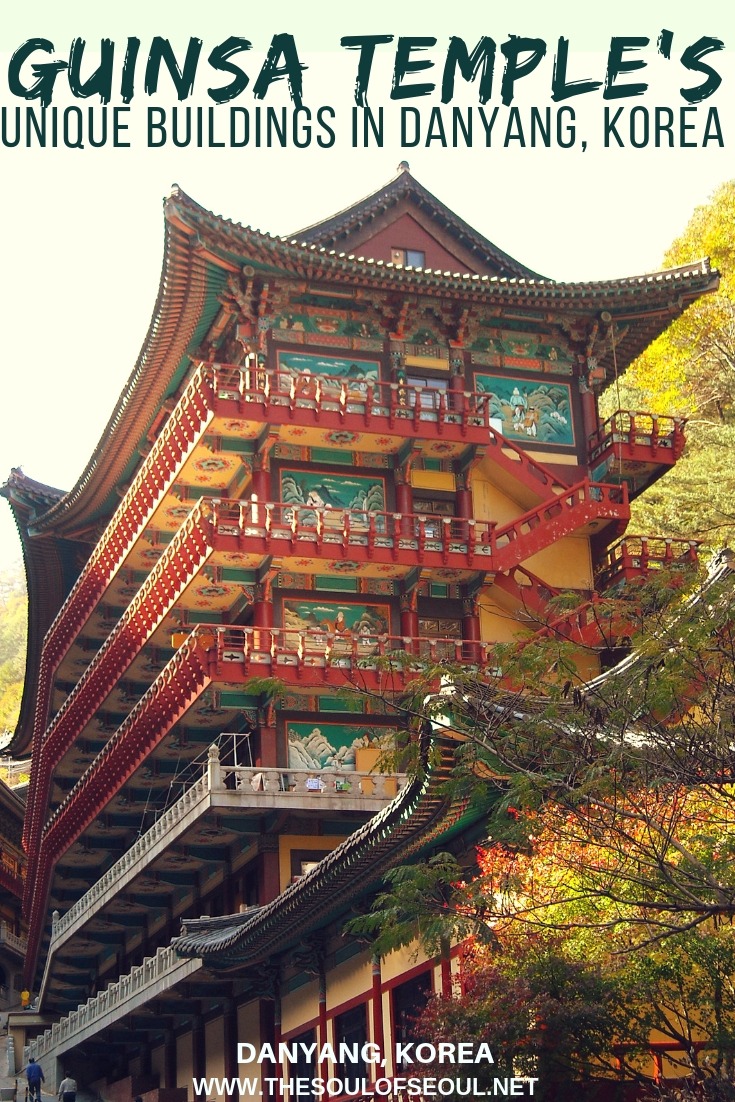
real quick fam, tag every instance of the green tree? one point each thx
(690, 371)
(541, 1014)
(612, 834)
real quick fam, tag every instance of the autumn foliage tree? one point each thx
(611, 840)
(690, 371)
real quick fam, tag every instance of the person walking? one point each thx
(67, 1089)
(35, 1076)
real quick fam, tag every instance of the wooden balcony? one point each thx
(281, 532)
(635, 448)
(636, 556)
(12, 874)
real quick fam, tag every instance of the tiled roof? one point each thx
(329, 232)
(421, 811)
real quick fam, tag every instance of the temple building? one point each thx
(12, 873)
(379, 436)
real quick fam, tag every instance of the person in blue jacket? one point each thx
(35, 1076)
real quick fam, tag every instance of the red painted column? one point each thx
(269, 1069)
(169, 1059)
(463, 505)
(471, 629)
(590, 419)
(404, 497)
(261, 484)
(446, 970)
(229, 1036)
(269, 753)
(409, 617)
(404, 506)
(456, 393)
(277, 1037)
(263, 610)
(262, 641)
(270, 876)
(198, 1047)
(378, 1026)
(322, 1020)
(463, 500)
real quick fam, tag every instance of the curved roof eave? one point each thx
(45, 580)
(197, 242)
(178, 307)
(418, 814)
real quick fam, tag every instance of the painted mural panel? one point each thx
(308, 489)
(327, 323)
(333, 745)
(302, 366)
(522, 350)
(529, 410)
(333, 624)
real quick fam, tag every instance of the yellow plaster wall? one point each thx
(387, 1032)
(400, 961)
(248, 1030)
(433, 480)
(214, 1040)
(567, 564)
(497, 625)
(588, 664)
(348, 981)
(489, 502)
(299, 1007)
(288, 842)
(184, 1062)
(548, 457)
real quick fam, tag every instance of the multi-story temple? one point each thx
(12, 872)
(379, 436)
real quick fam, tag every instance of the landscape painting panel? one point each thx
(300, 366)
(529, 410)
(332, 745)
(312, 490)
(321, 625)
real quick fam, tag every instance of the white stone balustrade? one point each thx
(155, 974)
(134, 858)
(11, 940)
(240, 786)
(248, 785)
(297, 783)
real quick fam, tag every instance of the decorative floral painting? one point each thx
(329, 323)
(530, 411)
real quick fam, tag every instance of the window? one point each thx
(432, 509)
(434, 506)
(409, 258)
(350, 1028)
(440, 628)
(409, 999)
(303, 1067)
(428, 390)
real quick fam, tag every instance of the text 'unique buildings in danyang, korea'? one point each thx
(381, 435)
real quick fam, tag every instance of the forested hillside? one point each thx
(13, 619)
(690, 371)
